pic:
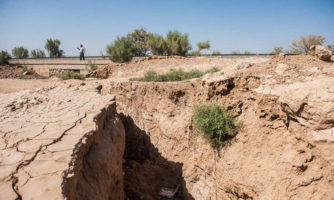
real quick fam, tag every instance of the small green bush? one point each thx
(91, 66)
(216, 53)
(52, 46)
(215, 123)
(121, 50)
(4, 57)
(177, 43)
(173, 75)
(70, 75)
(37, 53)
(20, 52)
(157, 44)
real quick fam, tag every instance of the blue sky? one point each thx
(254, 25)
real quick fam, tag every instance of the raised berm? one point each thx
(75, 140)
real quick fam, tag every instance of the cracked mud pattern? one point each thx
(39, 131)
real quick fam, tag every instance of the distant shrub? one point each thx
(20, 52)
(194, 53)
(203, 45)
(177, 43)
(37, 53)
(4, 57)
(139, 38)
(52, 46)
(91, 67)
(70, 75)
(277, 50)
(157, 44)
(235, 52)
(121, 50)
(302, 46)
(215, 123)
(331, 47)
(216, 53)
(173, 75)
(247, 52)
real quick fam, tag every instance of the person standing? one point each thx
(82, 52)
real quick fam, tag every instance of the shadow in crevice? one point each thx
(146, 171)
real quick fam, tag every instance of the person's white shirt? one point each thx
(81, 50)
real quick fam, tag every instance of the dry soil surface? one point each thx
(67, 140)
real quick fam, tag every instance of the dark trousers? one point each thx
(82, 56)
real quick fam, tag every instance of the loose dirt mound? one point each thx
(9, 71)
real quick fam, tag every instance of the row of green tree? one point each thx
(142, 43)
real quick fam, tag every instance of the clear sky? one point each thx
(254, 25)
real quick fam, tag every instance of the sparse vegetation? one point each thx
(157, 44)
(121, 50)
(70, 75)
(302, 46)
(277, 50)
(4, 57)
(331, 47)
(215, 123)
(236, 52)
(37, 53)
(52, 46)
(247, 52)
(139, 38)
(91, 67)
(203, 45)
(216, 53)
(20, 52)
(173, 75)
(177, 43)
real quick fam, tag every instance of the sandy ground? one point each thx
(15, 85)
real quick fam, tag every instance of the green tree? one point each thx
(37, 53)
(4, 57)
(121, 50)
(203, 45)
(331, 47)
(177, 43)
(277, 50)
(216, 53)
(20, 52)
(303, 45)
(157, 44)
(139, 38)
(236, 52)
(52, 46)
(247, 52)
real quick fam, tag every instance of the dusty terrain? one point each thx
(67, 140)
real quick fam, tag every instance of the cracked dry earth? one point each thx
(46, 133)
(75, 140)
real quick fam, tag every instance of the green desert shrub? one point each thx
(216, 53)
(277, 50)
(20, 52)
(157, 44)
(247, 52)
(91, 67)
(236, 52)
(302, 46)
(37, 53)
(70, 75)
(173, 75)
(121, 50)
(203, 45)
(215, 123)
(4, 57)
(139, 38)
(53, 47)
(177, 43)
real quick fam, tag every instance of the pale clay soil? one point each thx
(115, 139)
